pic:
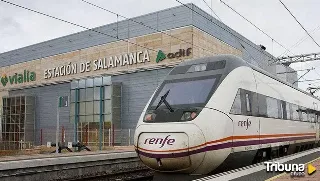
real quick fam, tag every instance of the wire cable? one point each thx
(255, 26)
(227, 30)
(301, 40)
(141, 23)
(299, 23)
(211, 10)
(74, 24)
(273, 40)
(241, 44)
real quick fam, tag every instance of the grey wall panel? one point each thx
(137, 88)
(46, 114)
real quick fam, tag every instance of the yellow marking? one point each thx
(277, 176)
(311, 169)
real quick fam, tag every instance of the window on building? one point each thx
(236, 106)
(88, 107)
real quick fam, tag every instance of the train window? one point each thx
(295, 112)
(304, 114)
(288, 110)
(254, 104)
(262, 105)
(236, 106)
(248, 103)
(272, 107)
(195, 91)
(312, 117)
(282, 114)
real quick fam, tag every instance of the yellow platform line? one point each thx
(277, 176)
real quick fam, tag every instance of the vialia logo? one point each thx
(26, 76)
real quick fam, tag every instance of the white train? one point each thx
(220, 113)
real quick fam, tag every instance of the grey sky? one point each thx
(19, 27)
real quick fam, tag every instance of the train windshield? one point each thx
(185, 92)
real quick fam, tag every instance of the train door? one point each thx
(317, 127)
(246, 126)
(317, 122)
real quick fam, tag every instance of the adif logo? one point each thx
(294, 169)
(180, 53)
(160, 56)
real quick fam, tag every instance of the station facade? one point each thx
(108, 73)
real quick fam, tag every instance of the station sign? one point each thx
(70, 68)
(108, 63)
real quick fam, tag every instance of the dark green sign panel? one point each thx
(64, 101)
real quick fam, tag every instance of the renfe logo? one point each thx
(160, 141)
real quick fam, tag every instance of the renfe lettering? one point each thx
(159, 141)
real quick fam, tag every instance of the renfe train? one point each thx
(220, 112)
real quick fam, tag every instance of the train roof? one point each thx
(231, 63)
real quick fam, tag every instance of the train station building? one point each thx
(108, 73)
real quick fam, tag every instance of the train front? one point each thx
(167, 137)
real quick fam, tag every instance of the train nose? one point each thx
(171, 150)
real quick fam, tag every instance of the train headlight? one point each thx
(188, 116)
(149, 117)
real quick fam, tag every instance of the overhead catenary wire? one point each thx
(256, 26)
(140, 23)
(273, 40)
(226, 29)
(75, 24)
(299, 23)
(260, 30)
(92, 4)
(212, 10)
(301, 40)
(147, 26)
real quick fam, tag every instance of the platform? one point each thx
(72, 166)
(258, 172)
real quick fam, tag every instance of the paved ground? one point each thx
(263, 175)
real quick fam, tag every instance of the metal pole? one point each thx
(101, 117)
(57, 130)
(129, 137)
(109, 137)
(41, 136)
